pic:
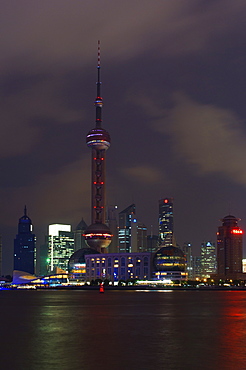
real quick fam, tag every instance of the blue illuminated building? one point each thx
(127, 229)
(25, 246)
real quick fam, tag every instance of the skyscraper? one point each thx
(229, 248)
(112, 223)
(25, 246)
(187, 249)
(208, 259)
(128, 230)
(79, 239)
(166, 221)
(61, 246)
(98, 235)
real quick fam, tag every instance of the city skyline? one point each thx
(173, 104)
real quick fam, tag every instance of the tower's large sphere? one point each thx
(169, 258)
(98, 236)
(98, 139)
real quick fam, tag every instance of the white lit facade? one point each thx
(61, 246)
(117, 266)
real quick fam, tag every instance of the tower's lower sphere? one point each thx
(98, 236)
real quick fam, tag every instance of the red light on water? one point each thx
(166, 201)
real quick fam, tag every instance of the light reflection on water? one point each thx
(123, 330)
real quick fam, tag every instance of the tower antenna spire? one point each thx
(98, 102)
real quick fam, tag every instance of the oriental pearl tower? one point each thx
(98, 235)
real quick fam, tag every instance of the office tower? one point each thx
(128, 230)
(25, 246)
(229, 248)
(61, 246)
(208, 259)
(98, 235)
(166, 221)
(187, 249)
(196, 267)
(141, 237)
(152, 243)
(44, 257)
(112, 223)
(79, 239)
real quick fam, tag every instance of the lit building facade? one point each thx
(128, 230)
(61, 246)
(169, 263)
(208, 259)
(25, 246)
(115, 267)
(97, 235)
(229, 248)
(166, 221)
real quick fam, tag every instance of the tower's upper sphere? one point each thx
(98, 139)
(98, 236)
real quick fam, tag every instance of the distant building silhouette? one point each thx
(79, 239)
(229, 248)
(152, 243)
(187, 249)
(166, 221)
(141, 237)
(25, 246)
(112, 223)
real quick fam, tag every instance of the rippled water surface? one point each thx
(123, 330)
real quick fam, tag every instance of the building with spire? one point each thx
(166, 221)
(25, 246)
(79, 239)
(97, 235)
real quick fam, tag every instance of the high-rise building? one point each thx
(141, 237)
(128, 230)
(187, 249)
(152, 243)
(97, 235)
(229, 248)
(25, 246)
(196, 267)
(112, 223)
(208, 259)
(166, 221)
(61, 246)
(79, 239)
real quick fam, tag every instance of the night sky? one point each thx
(173, 84)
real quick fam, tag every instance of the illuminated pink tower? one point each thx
(98, 235)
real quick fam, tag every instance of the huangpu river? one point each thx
(70, 330)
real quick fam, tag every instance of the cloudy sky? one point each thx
(173, 76)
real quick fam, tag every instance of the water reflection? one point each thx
(123, 330)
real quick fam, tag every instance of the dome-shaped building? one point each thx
(169, 262)
(76, 263)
